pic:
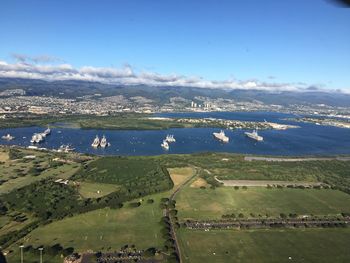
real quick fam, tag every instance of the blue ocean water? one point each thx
(309, 139)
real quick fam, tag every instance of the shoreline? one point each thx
(246, 157)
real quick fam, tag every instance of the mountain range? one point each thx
(76, 89)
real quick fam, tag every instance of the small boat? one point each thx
(32, 147)
(47, 131)
(7, 137)
(65, 148)
(165, 145)
(96, 142)
(37, 138)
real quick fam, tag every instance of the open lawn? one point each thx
(199, 182)
(95, 190)
(105, 229)
(212, 204)
(307, 245)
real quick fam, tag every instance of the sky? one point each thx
(269, 44)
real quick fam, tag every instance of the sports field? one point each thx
(293, 245)
(207, 203)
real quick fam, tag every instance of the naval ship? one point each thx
(254, 135)
(96, 142)
(221, 136)
(104, 142)
(170, 138)
(37, 138)
(165, 145)
(7, 137)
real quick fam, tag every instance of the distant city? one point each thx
(15, 102)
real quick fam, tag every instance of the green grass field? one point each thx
(95, 190)
(308, 245)
(212, 204)
(109, 181)
(105, 229)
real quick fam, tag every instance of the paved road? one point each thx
(172, 230)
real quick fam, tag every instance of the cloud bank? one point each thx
(36, 68)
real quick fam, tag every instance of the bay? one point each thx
(309, 139)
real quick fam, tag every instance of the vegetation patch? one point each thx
(333, 173)
(180, 175)
(194, 203)
(18, 171)
(136, 175)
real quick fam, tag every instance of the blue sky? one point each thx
(286, 41)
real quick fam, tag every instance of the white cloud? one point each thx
(127, 76)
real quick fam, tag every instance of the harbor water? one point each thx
(309, 139)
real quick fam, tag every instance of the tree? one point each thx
(150, 252)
